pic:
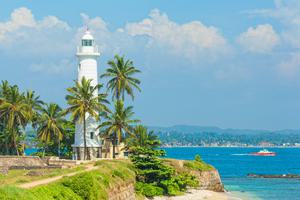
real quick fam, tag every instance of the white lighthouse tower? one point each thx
(87, 54)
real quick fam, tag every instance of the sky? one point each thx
(225, 63)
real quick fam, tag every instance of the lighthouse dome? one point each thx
(87, 36)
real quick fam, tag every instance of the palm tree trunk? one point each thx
(6, 145)
(15, 142)
(114, 146)
(44, 150)
(58, 150)
(84, 137)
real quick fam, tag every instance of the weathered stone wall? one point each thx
(210, 180)
(122, 192)
(21, 162)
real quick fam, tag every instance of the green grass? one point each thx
(198, 165)
(20, 176)
(92, 185)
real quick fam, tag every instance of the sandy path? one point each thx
(50, 180)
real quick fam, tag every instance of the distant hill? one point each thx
(184, 135)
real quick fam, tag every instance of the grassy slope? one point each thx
(20, 176)
(86, 185)
(187, 165)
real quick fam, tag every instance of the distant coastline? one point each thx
(183, 146)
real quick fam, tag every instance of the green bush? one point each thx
(171, 188)
(84, 185)
(198, 158)
(148, 190)
(54, 192)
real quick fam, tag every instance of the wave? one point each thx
(240, 154)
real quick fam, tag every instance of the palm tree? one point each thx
(15, 112)
(4, 91)
(118, 123)
(141, 137)
(84, 103)
(51, 124)
(121, 72)
(34, 103)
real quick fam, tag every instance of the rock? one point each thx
(210, 180)
(35, 173)
(3, 170)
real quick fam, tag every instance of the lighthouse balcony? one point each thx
(88, 50)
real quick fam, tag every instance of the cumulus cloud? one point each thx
(191, 40)
(260, 39)
(23, 35)
(154, 38)
(288, 14)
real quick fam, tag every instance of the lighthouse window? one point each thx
(87, 42)
(92, 135)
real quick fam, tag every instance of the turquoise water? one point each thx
(235, 163)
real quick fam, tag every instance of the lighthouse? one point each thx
(87, 54)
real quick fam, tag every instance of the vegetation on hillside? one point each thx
(153, 176)
(93, 185)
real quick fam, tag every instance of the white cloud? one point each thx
(260, 39)
(22, 21)
(288, 14)
(154, 38)
(191, 40)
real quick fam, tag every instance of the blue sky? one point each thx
(228, 63)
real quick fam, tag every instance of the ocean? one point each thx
(235, 163)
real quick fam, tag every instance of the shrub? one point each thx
(84, 185)
(171, 187)
(55, 191)
(198, 158)
(148, 190)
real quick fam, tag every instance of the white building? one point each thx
(87, 54)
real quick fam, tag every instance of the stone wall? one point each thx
(21, 162)
(123, 191)
(210, 180)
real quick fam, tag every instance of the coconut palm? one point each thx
(141, 137)
(15, 112)
(4, 90)
(120, 73)
(34, 102)
(51, 124)
(83, 103)
(118, 123)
